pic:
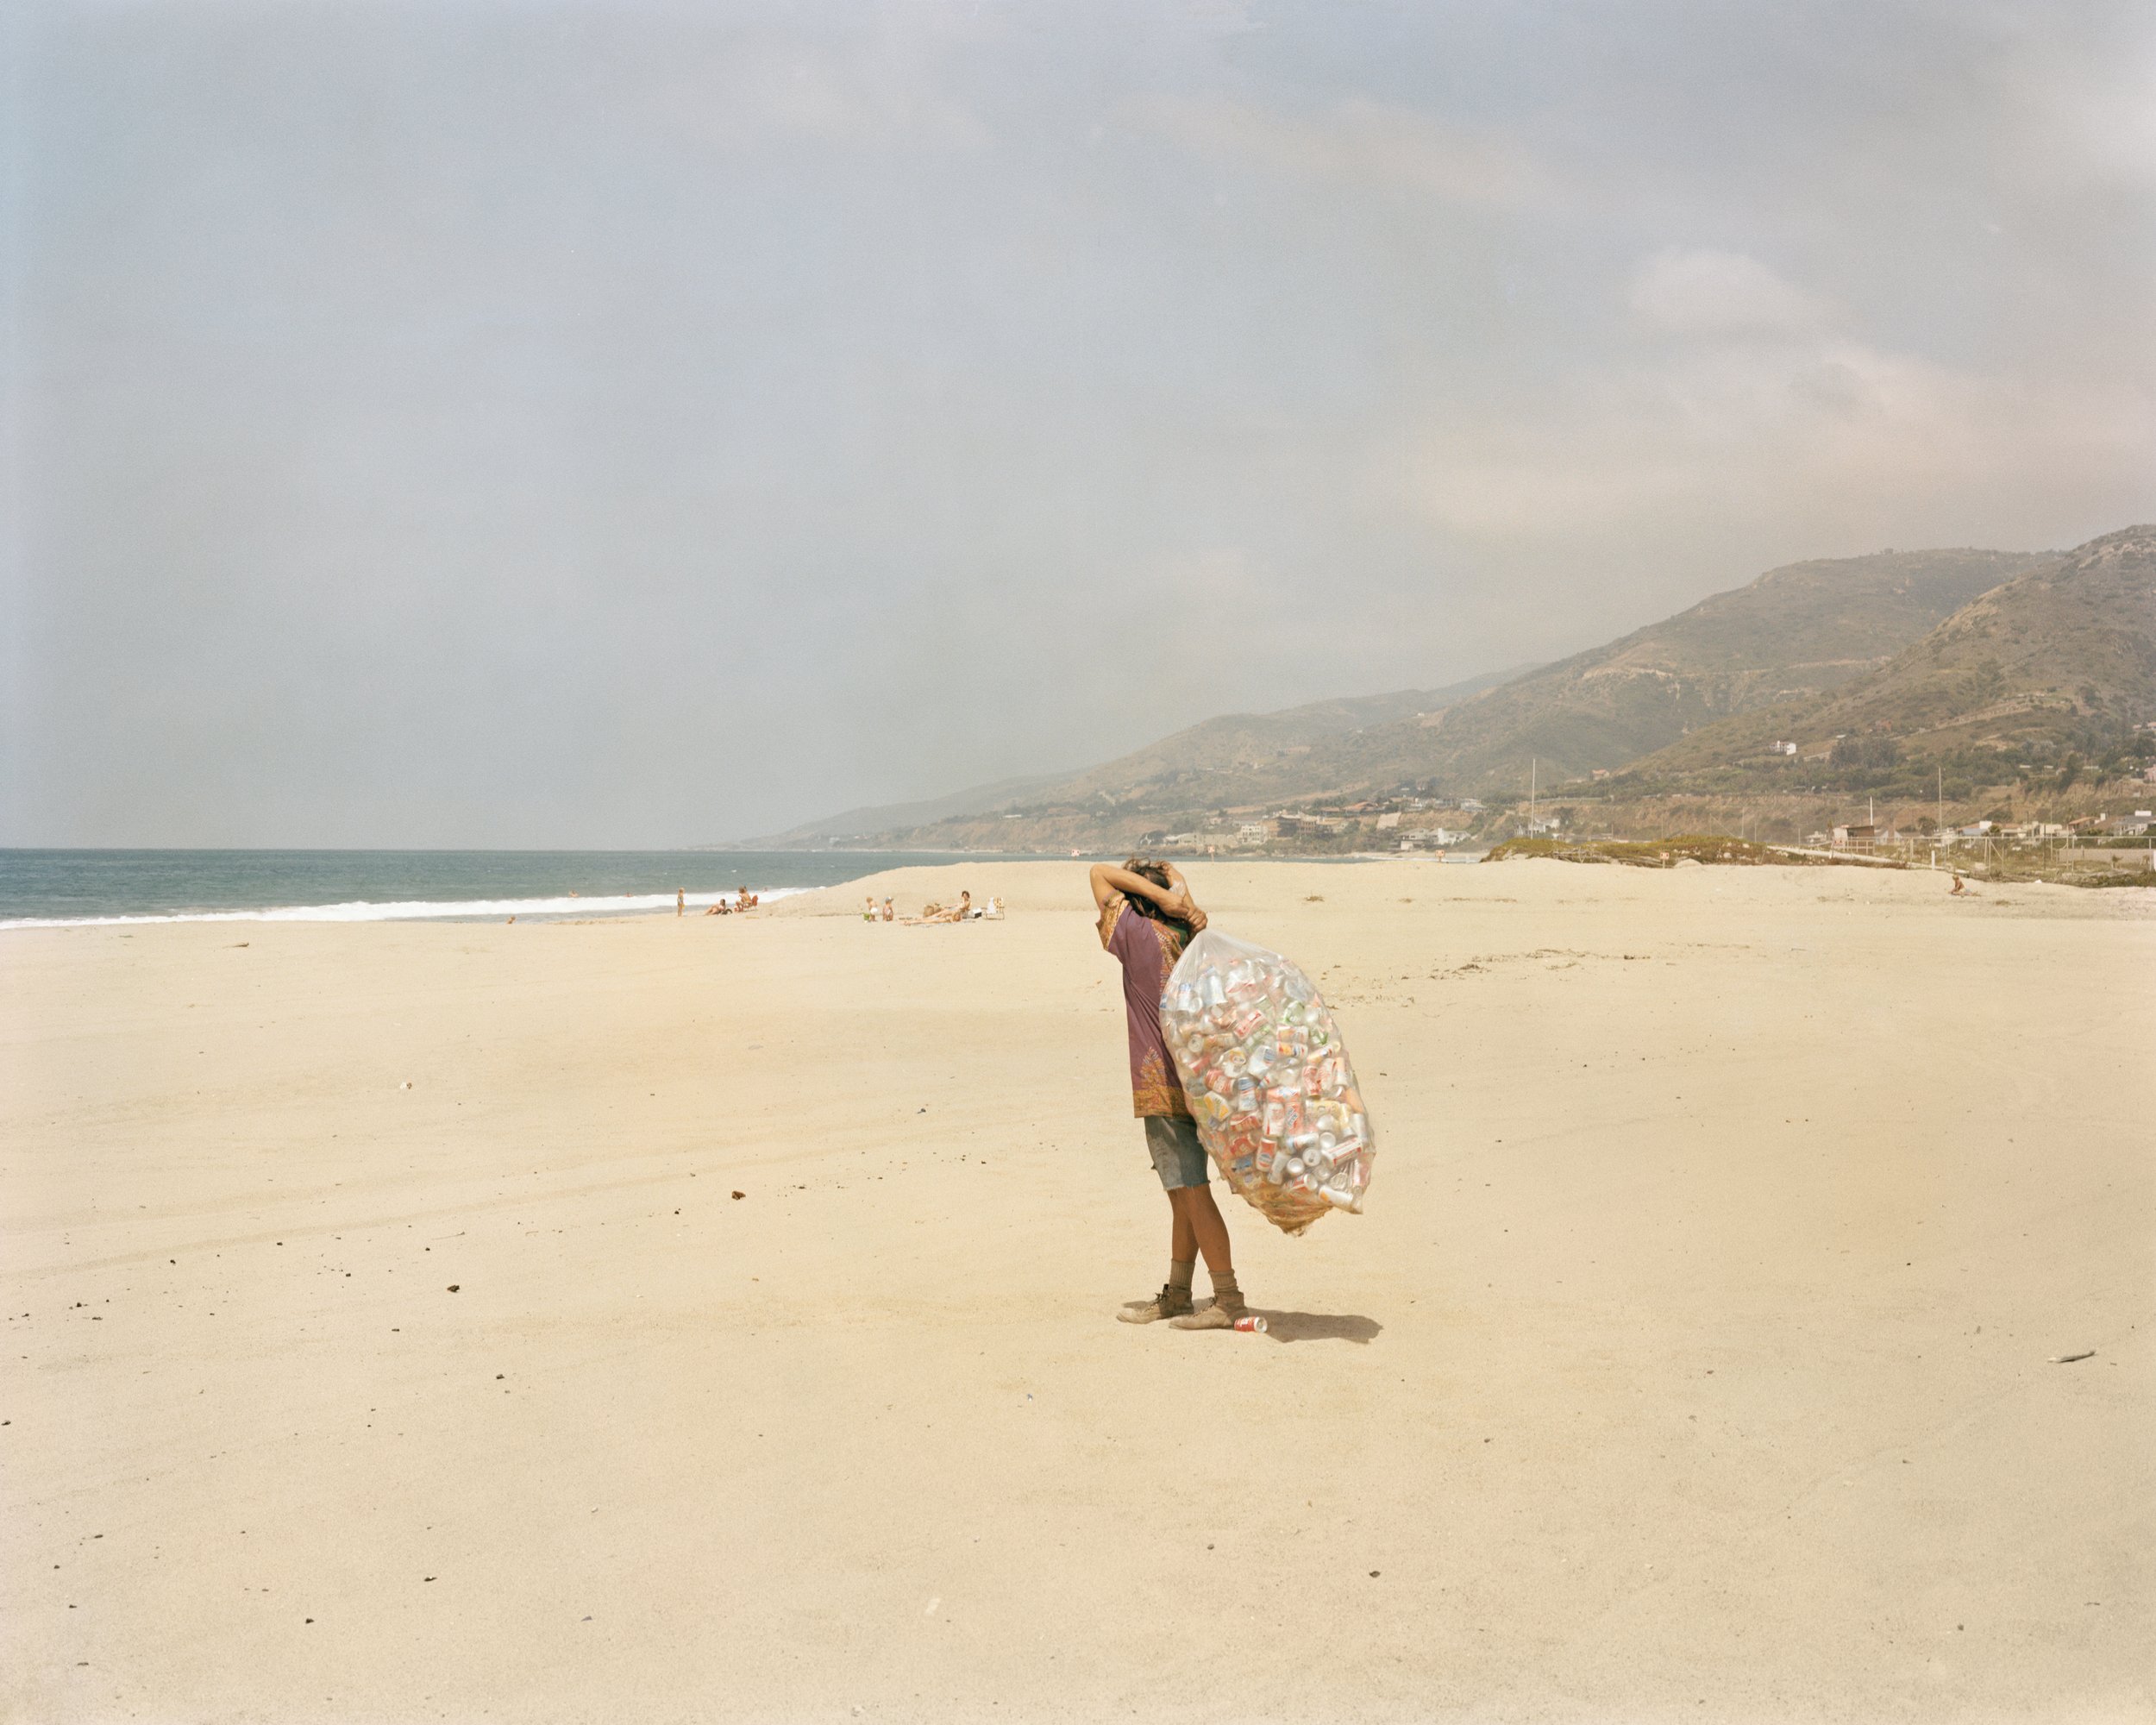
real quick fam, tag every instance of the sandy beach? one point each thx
(720, 1325)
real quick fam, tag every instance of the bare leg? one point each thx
(1198, 1219)
(1182, 1243)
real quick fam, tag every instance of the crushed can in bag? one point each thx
(1277, 1105)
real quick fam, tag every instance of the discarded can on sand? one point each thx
(1253, 1324)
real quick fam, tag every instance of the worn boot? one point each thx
(1220, 1312)
(1171, 1303)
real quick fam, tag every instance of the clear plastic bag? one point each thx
(1268, 1078)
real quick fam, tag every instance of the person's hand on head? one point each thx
(1180, 904)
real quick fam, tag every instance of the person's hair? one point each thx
(1158, 874)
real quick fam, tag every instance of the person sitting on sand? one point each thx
(1147, 916)
(717, 908)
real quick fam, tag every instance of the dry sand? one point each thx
(1692, 1361)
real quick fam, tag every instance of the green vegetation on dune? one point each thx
(1656, 853)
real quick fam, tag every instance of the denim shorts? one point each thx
(1178, 1157)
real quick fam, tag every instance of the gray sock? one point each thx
(1179, 1275)
(1224, 1285)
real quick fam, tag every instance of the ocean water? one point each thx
(59, 888)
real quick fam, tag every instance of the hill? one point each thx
(1235, 757)
(1796, 633)
(2063, 657)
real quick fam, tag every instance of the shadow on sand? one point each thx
(1321, 1326)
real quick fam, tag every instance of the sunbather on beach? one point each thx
(1147, 915)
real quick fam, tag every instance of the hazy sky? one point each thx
(615, 424)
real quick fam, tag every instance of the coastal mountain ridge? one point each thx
(2035, 660)
(1231, 747)
(1947, 648)
(1795, 631)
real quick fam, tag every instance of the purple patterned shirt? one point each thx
(1148, 951)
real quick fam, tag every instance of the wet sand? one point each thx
(1693, 1360)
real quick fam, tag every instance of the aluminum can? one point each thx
(1252, 1325)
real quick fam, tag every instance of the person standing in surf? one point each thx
(1147, 916)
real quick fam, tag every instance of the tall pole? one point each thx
(1534, 773)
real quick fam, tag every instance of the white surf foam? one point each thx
(417, 910)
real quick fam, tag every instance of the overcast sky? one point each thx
(614, 423)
